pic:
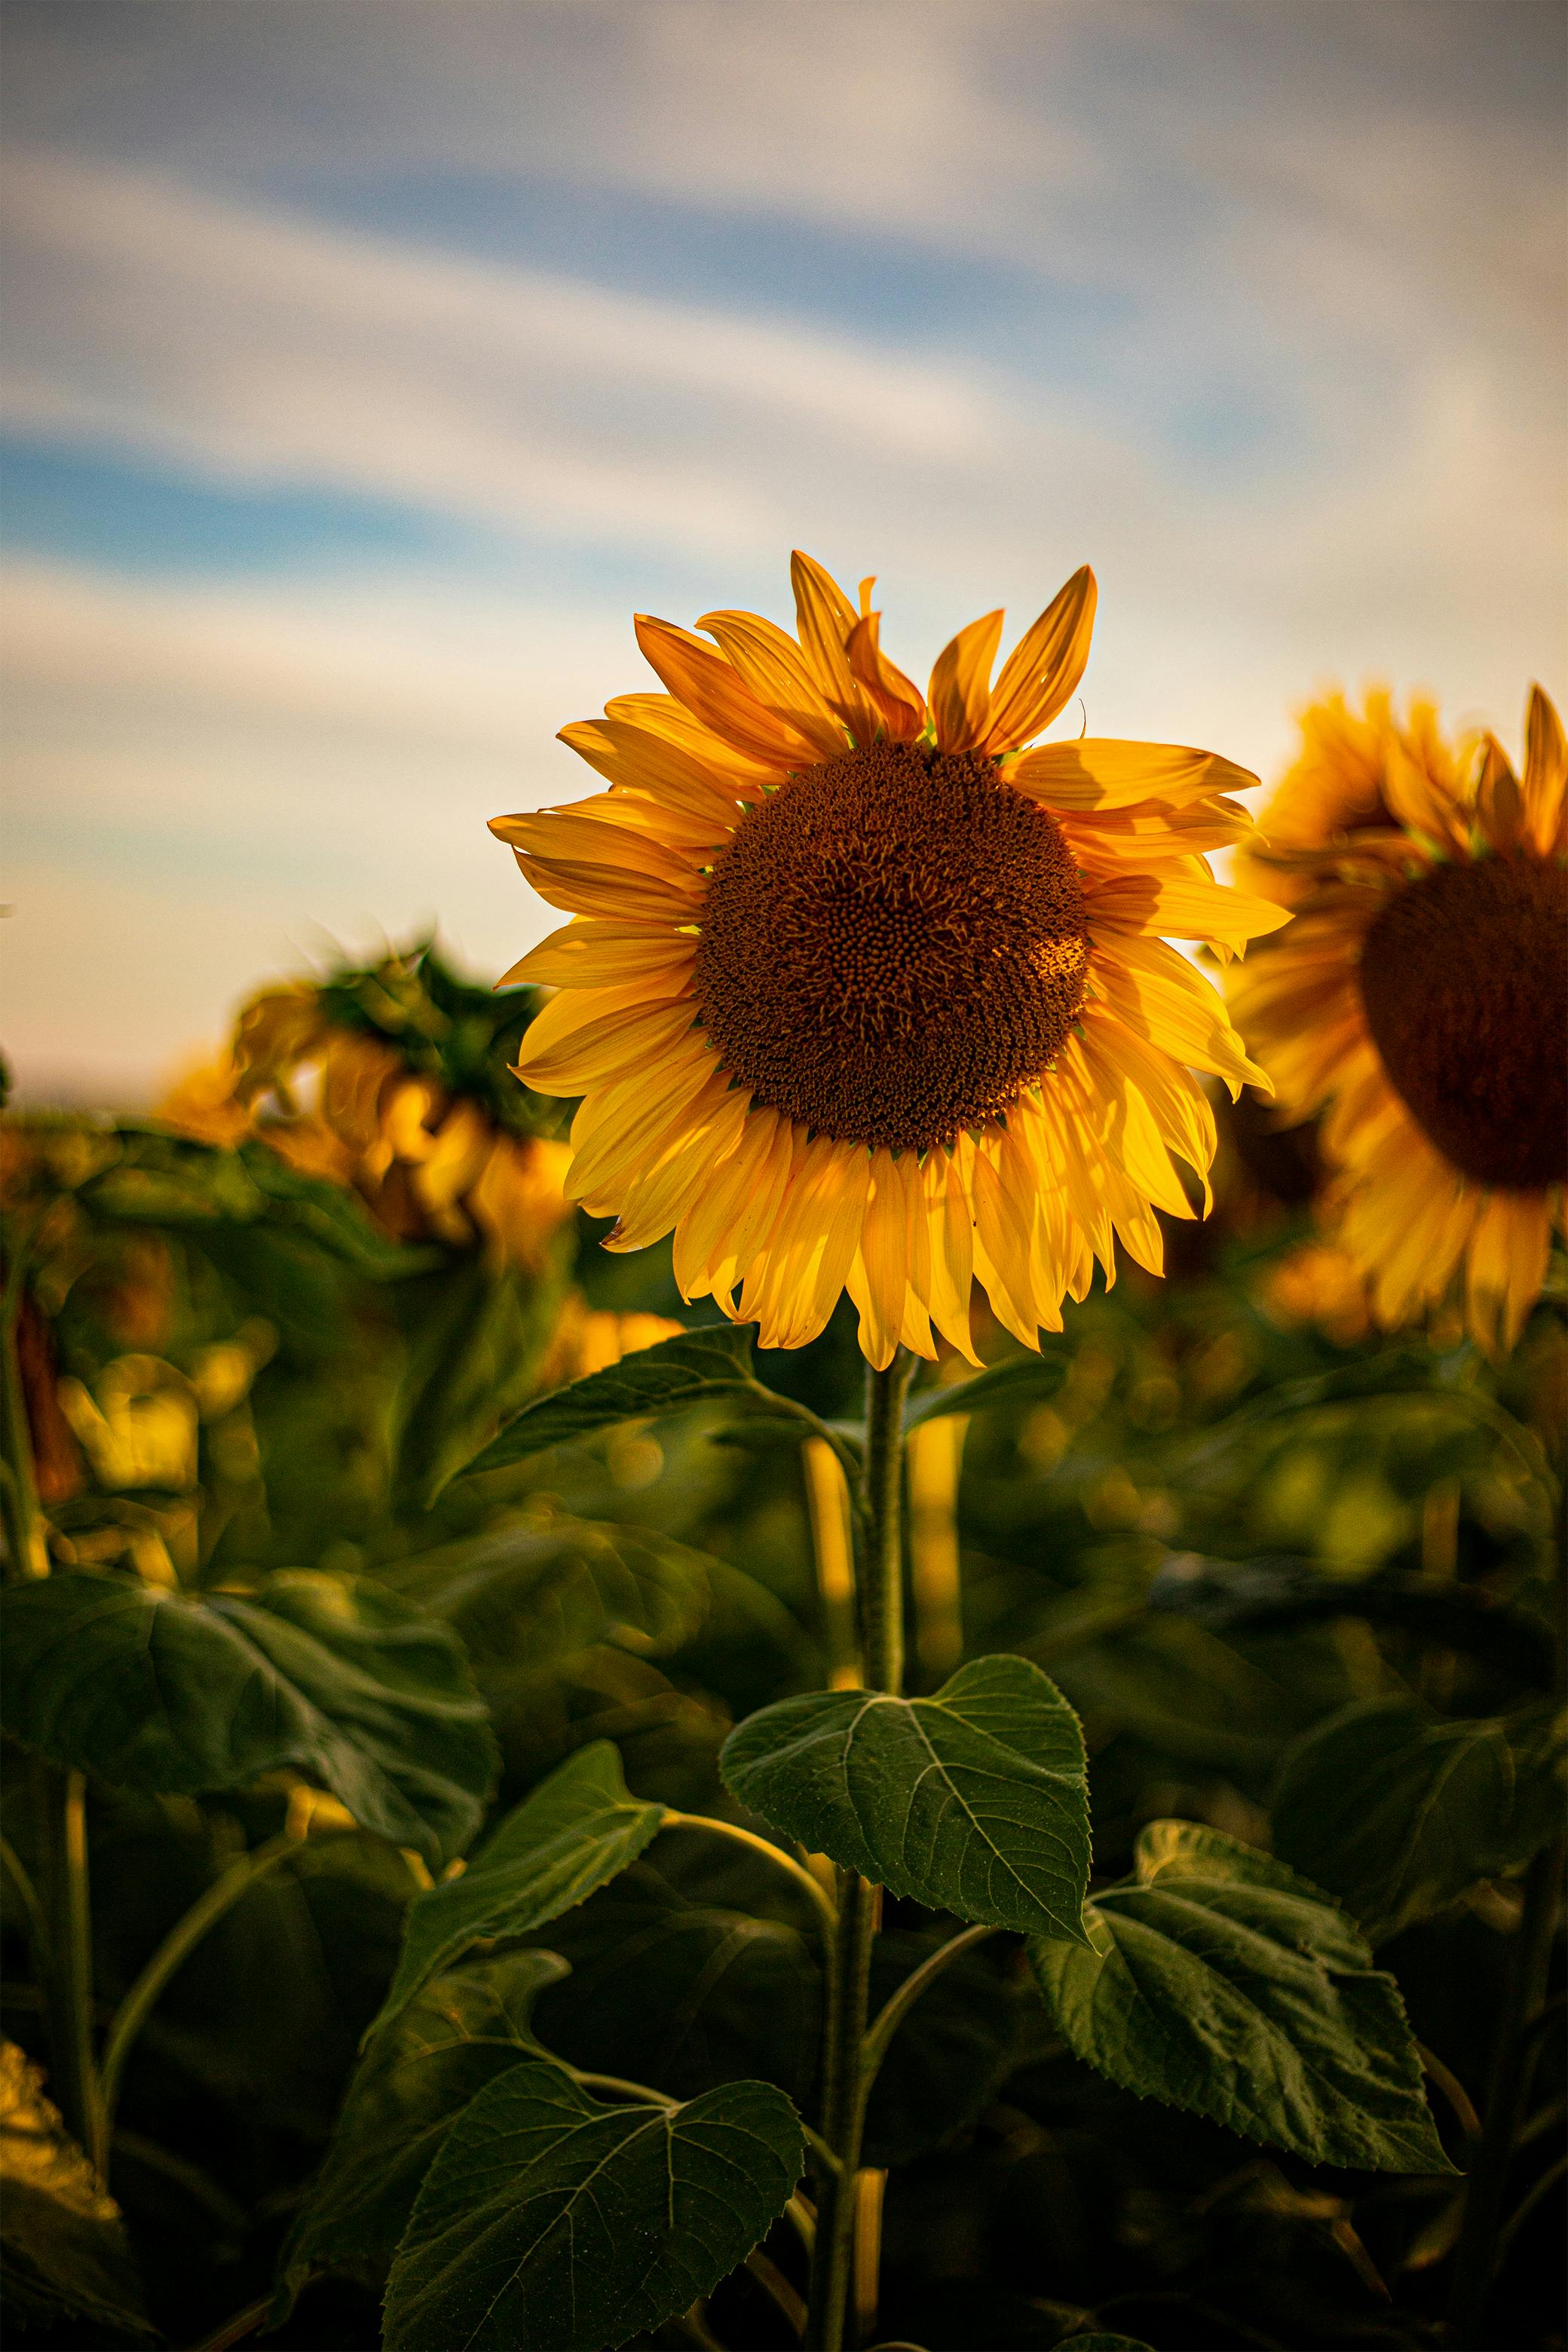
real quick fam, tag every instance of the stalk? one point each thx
(859, 1902)
(26, 1554)
(69, 1986)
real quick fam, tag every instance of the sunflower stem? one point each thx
(845, 2089)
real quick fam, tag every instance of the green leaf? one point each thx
(453, 2039)
(578, 1829)
(973, 1801)
(662, 1379)
(524, 1594)
(548, 2219)
(682, 1993)
(476, 1337)
(1218, 1981)
(1020, 1380)
(1396, 1811)
(332, 1676)
(65, 2253)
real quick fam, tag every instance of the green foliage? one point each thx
(1218, 1980)
(972, 1802)
(1021, 1380)
(550, 2219)
(579, 1829)
(332, 1678)
(414, 2081)
(691, 1370)
(1397, 1812)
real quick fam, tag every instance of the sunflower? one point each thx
(1420, 998)
(1338, 781)
(859, 993)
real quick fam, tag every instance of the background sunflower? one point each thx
(859, 993)
(1420, 998)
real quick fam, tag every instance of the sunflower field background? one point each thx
(1295, 1576)
(783, 1176)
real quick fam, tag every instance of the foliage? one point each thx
(464, 1760)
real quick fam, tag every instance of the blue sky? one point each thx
(369, 363)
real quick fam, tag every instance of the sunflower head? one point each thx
(392, 1081)
(860, 992)
(1420, 1000)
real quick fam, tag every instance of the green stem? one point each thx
(828, 1910)
(897, 2008)
(26, 1552)
(238, 2327)
(1525, 1989)
(180, 1940)
(69, 1984)
(859, 1902)
(21, 1878)
(882, 1591)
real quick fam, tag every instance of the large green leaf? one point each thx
(549, 2220)
(539, 1590)
(65, 2251)
(972, 1802)
(663, 1379)
(1396, 1811)
(1218, 1980)
(476, 1335)
(332, 1676)
(1020, 1380)
(684, 1994)
(414, 2081)
(579, 1827)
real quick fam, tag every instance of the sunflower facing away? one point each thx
(859, 993)
(1420, 997)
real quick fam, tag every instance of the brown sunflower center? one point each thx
(892, 946)
(1464, 980)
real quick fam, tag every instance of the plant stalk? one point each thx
(69, 1986)
(1525, 1990)
(844, 2095)
(26, 1552)
(177, 1945)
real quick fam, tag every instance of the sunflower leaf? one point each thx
(412, 2084)
(550, 2219)
(662, 1379)
(1018, 1381)
(1397, 1813)
(972, 1802)
(578, 1829)
(1218, 1980)
(332, 1676)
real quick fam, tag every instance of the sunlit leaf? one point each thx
(67, 2256)
(1218, 1980)
(413, 2082)
(548, 2219)
(663, 1379)
(332, 1676)
(578, 1829)
(972, 1802)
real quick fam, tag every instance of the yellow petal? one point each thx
(710, 689)
(884, 1250)
(614, 891)
(1044, 667)
(1169, 908)
(1099, 772)
(1545, 785)
(959, 691)
(602, 1048)
(662, 716)
(777, 672)
(627, 755)
(900, 705)
(825, 620)
(1499, 804)
(588, 954)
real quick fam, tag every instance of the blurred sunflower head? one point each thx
(859, 992)
(1420, 998)
(391, 1081)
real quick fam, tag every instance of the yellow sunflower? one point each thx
(1338, 781)
(1420, 998)
(859, 993)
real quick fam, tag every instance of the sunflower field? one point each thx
(840, 1620)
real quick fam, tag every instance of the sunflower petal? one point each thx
(1099, 772)
(1044, 667)
(713, 692)
(1544, 784)
(959, 691)
(898, 703)
(772, 666)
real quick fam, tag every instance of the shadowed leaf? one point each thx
(67, 2256)
(662, 1379)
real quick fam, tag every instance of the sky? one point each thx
(370, 363)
